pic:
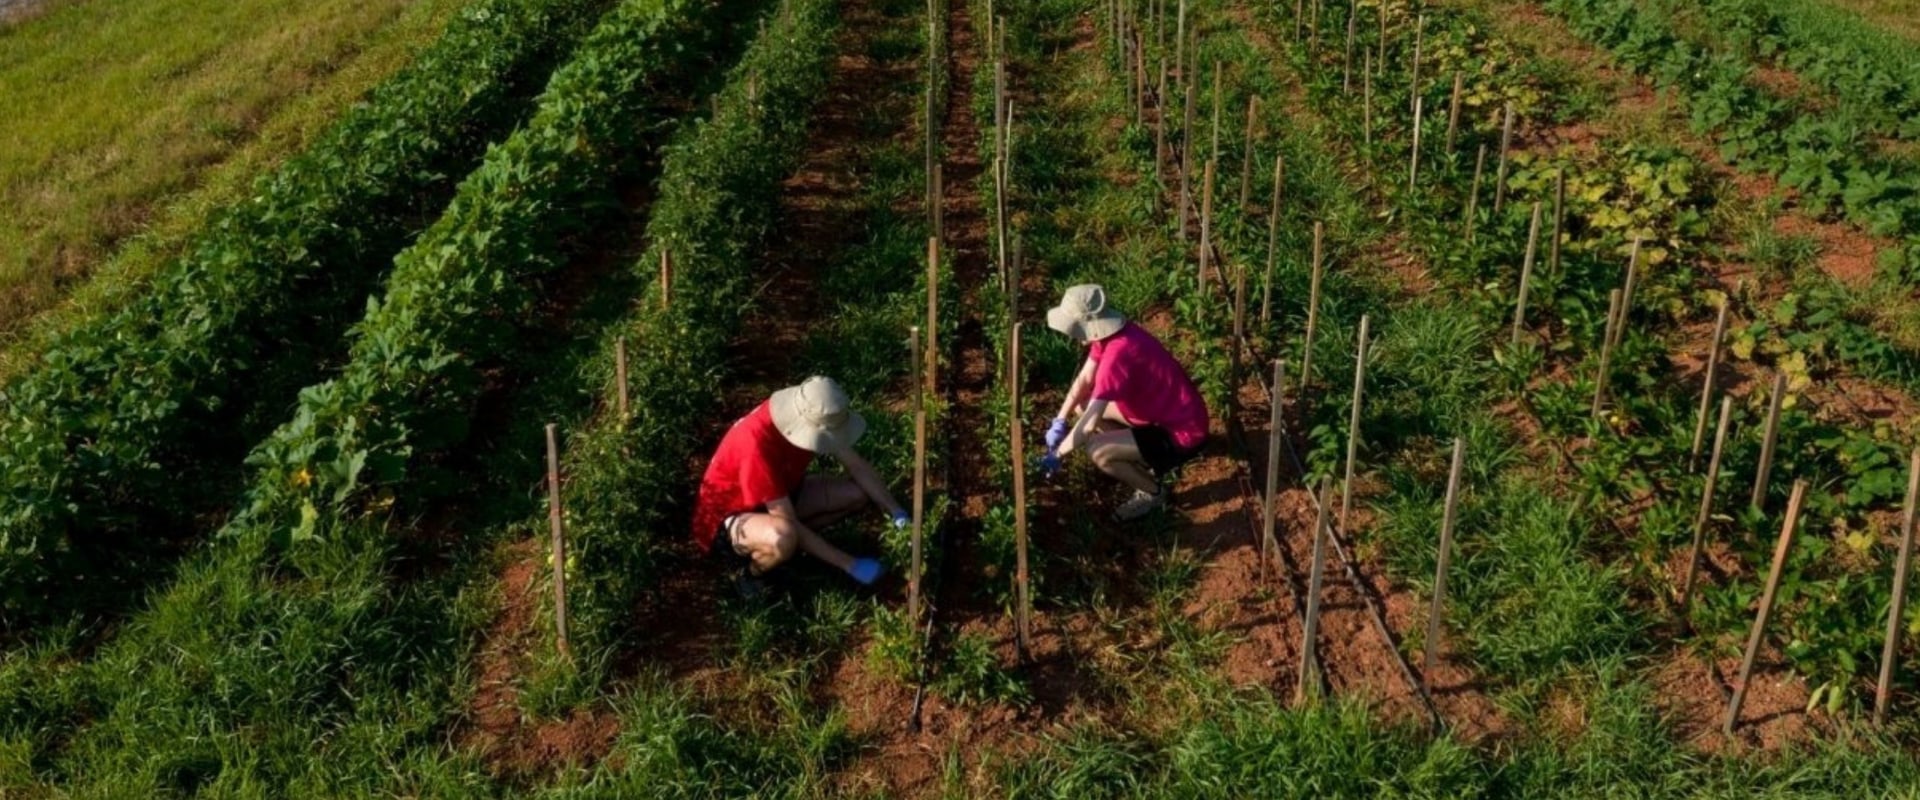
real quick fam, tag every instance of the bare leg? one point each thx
(824, 500)
(1117, 454)
(772, 540)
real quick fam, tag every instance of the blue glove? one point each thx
(1050, 464)
(1056, 433)
(901, 519)
(866, 571)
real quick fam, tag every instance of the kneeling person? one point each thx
(758, 504)
(1132, 404)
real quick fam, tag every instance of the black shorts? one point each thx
(1160, 451)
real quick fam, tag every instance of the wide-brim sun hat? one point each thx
(1084, 315)
(814, 416)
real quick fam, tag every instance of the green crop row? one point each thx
(1873, 74)
(135, 422)
(1820, 155)
(626, 492)
(298, 631)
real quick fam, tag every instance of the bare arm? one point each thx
(1077, 392)
(1083, 427)
(869, 481)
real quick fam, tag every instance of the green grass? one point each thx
(120, 117)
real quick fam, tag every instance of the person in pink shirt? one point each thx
(1132, 405)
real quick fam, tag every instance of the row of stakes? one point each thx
(1619, 304)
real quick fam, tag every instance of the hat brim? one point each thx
(784, 406)
(1103, 325)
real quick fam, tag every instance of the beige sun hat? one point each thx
(814, 416)
(1083, 314)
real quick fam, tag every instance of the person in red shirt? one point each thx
(757, 503)
(1135, 408)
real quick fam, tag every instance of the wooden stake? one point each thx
(1559, 220)
(1506, 144)
(919, 477)
(1897, 609)
(1473, 195)
(1206, 223)
(620, 378)
(1366, 103)
(1186, 163)
(1299, 18)
(1413, 171)
(1160, 133)
(1023, 586)
(1239, 320)
(1214, 130)
(1180, 45)
(1766, 603)
(1706, 387)
(1246, 153)
(1606, 351)
(555, 521)
(1453, 110)
(1419, 35)
(1353, 422)
(1439, 601)
(1276, 428)
(1353, 19)
(1705, 514)
(666, 278)
(1000, 222)
(1273, 241)
(1309, 658)
(1526, 275)
(1626, 292)
(1313, 310)
(933, 316)
(1759, 499)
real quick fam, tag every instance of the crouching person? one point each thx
(1132, 405)
(757, 505)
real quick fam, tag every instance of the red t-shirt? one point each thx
(1133, 371)
(753, 465)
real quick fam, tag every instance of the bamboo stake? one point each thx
(1506, 144)
(1413, 171)
(933, 316)
(1766, 603)
(1559, 220)
(1246, 153)
(1273, 241)
(1526, 275)
(1453, 110)
(1446, 557)
(1206, 223)
(1000, 221)
(1180, 45)
(1275, 430)
(1346, 81)
(620, 377)
(1214, 130)
(1760, 475)
(1627, 285)
(1160, 132)
(919, 478)
(1896, 610)
(1473, 195)
(1299, 18)
(1310, 658)
(1381, 62)
(1419, 35)
(1023, 586)
(1366, 103)
(1353, 422)
(1186, 162)
(939, 205)
(1706, 387)
(1139, 79)
(1606, 351)
(1705, 514)
(666, 278)
(555, 520)
(1239, 319)
(1313, 310)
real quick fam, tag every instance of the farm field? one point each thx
(1562, 361)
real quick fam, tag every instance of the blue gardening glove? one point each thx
(1056, 433)
(1050, 464)
(901, 519)
(866, 571)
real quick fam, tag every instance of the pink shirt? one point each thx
(1136, 374)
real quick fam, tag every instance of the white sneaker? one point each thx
(1140, 505)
